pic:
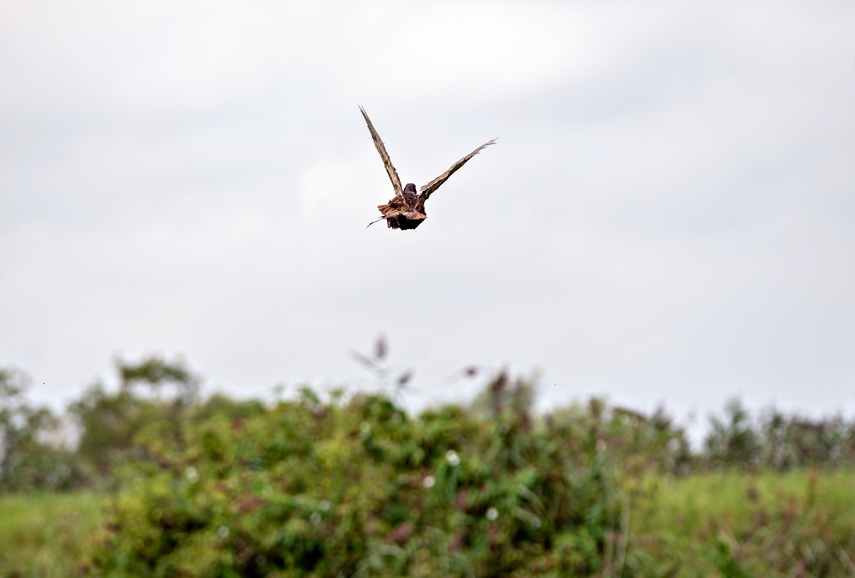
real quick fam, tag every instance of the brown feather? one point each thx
(387, 162)
(429, 188)
(399, 214)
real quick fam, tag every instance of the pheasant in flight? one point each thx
(406, 210)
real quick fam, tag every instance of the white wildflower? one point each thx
(452, 457)
(191, 474)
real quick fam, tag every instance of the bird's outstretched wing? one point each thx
(437, 182)
(387, 162)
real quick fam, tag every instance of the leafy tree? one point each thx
(111, 422)
(28, 460)
(157, 374)
(733, 440)
(797, 441)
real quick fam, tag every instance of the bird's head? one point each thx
(410, 188)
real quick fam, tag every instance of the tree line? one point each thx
(85, 445)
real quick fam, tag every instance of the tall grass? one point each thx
(692, 525)
(733, 524)
(46, 534)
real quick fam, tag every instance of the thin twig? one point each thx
(624, 536)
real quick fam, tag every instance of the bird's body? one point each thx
(406, 210)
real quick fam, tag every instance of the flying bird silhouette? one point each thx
(406, 210)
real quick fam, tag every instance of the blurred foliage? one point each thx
(155, 374)
(735, 524)
(47, 534)
(353, 485)
(31, 456)
(109, 423)
(776, 441)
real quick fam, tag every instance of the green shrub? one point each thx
(358, 488)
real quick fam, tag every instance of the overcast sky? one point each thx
(668, 215)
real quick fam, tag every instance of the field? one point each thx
(46, 534)
(757, 516)
(737, 524)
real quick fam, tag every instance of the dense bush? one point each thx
(357, 488)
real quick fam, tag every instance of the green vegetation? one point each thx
(797, 524)
(168, 484)
(47, 534)
(682, 524)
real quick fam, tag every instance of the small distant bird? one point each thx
(406, 210)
